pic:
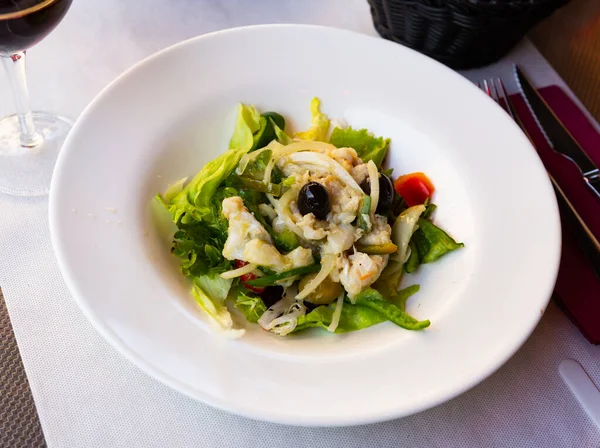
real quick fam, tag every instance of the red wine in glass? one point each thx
(26, 22)
(29, 141)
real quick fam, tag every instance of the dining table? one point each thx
(63, 385)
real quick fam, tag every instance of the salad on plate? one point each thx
(303, 230)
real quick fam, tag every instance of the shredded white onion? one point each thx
(326, 267)
(303, 145)
(275, 311)
(269, 170)
(244, 161)
(328, 163)
(267, 211)
(374, 180)
(403, 229)
(282, 207)
(249, 157)
(335, 319)
(285, 324)
(239, 271)
(282, 317)
(280, 151)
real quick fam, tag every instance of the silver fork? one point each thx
(494, 88)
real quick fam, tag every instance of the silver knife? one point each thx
(559, 138)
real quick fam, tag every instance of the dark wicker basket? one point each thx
(460, 33)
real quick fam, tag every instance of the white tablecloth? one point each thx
(87, 395)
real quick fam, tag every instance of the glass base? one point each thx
(27, 170)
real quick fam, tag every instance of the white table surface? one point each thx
(89, 396)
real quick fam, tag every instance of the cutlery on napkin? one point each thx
(578, 287)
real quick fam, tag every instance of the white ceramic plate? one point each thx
(170, 114)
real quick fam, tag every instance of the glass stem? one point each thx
(15, 69)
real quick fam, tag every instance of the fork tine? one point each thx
(508, 105)
(486, 88)
(505, 99)
(495, 94)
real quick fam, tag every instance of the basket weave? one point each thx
(460, 33)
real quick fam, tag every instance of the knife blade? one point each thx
(559, 138)
(586, 239)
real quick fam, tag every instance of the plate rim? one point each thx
(189, 391)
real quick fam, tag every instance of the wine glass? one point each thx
(29, 141)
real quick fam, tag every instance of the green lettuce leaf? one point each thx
(319, 124)
(370, 309)
(270, 124)
(280, 134)
(432, 242)
(214, 285)
(210, 292)
(248, 124)
(372, 299)
(429, 210)
(193, 202)
(275, 119)
(251, 306)
(172, 191)
(413, 262)
(389, 280)
(366, 145)
(353, 318)
(399, 298)
(196, 209)
(199, 247)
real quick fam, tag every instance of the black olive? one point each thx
(386, 193)
(310, 306)
(271, 295)
(313, 198)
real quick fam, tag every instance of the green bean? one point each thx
(271, 279)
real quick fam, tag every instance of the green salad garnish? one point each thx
(301, 230)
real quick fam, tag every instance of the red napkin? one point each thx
(577, 289)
